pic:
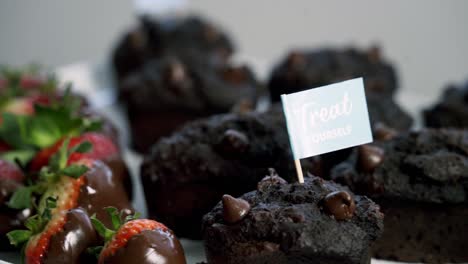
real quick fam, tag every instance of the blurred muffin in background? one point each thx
(451, 110)
(173, 70)
(170, 91)
(306, 69)
(154, 37)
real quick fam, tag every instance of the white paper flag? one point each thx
(327, 118)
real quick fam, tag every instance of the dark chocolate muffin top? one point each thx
(210, 157)
(243, 141)
(302, 70)
(388, 112)
(324, 217)
(426, 166)
(186, 84)
(451, 110)
(156, 37)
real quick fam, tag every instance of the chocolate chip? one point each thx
(383, 132)
(373, 54)
(296, 59)
(234, 142)
(340, 205)
(375, 85)
(138, 39)
(370, 157)
(234, 75)
(211, 34)
(234, 209)
(270, 180)
(270, 247)
(176, 72)
(294, 215)
(177, 78)
(245, 105)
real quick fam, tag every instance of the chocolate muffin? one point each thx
(420, 179)
(186, 174)
(314, 222)
(302, 70)
(155, 37)
(170, 91)
(451, 110)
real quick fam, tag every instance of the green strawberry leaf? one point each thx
(102, 229)
(50, 203)
(19, 156)
(94, 251)
(115, 217)
(47, 125)
(18, 237)
(35, 224)
(135, 216)
(46, 174)
(21, 198)
(13, 130)
(83, 147)
(75, 171)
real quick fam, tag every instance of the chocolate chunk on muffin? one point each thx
(170, 91)
(451, 110)
(302, 70)
(421, 181)
(314, 222)
(155, 37)
(185, 175)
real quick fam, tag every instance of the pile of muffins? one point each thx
(229, 179)
(218, 170)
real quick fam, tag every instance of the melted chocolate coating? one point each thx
(103, 188)
(77, 235)
(150, 247)
(120, 171)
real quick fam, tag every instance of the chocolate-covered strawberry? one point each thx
(38, 136)
(72, 186)
(137, 241)
(104, 149)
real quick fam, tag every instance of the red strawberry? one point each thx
(134, 233)
(67, 191)
(125, 232)
(9, 171)
(103, 148)
(30, 82)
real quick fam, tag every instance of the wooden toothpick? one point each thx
(300, 176)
